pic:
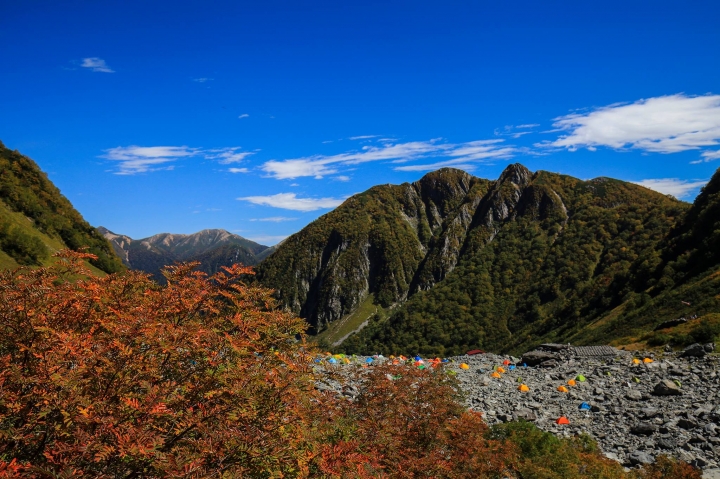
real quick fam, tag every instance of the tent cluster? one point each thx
(644, 361)
(420, 363)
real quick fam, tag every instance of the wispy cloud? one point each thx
(290, 201)
(363, 137)
(135, 159)
(274, 219)
(516, 131)
(319, 166)
(666, 124)
(202, 80)
(342, 178)
(238, 170)
(672, 186)
(244, 115)
(707, 156)
(226, 156)
(96, 64)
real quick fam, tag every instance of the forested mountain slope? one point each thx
(36, 219)
(213, 248)
(475, 263)
(389, 241)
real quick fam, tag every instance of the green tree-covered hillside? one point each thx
(36, 219)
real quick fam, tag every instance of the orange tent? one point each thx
(647, 360)
(495, 375)
(562, 420)
(572, 383)
(563, 389)
(500, 370)
(523, 388)
(464, 366)
(636, 361)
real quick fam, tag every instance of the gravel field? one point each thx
(637, 404)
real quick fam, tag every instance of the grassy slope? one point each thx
(26, 226)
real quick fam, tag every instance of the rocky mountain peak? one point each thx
(516, 174)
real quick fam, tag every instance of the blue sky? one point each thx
(258, 117)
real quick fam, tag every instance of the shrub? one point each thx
(118, 377)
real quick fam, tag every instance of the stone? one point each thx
(633, 395)
(534, 358)
(709, 347)
(639, 457)
(696, 350)
(550, 363)
(643, 429)
(687, 423)
(649, 412)
(666, 388)
(666, 444)
(525, 415)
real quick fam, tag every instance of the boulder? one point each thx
(696, 350)
(633, 395)
(643, 429)
(709, 347)
(525, 415)
(534, 358)
(667, 388)
(639, 457)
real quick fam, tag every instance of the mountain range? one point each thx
(454, 262)
(213, 248)
(448, 263)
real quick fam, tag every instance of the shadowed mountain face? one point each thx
(213, 248)
(467, 262)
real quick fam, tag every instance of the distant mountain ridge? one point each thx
(458, 262)
(213, 248)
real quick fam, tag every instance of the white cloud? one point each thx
(96, 64)
(666, 124)
(512, 130)
(321, 165)
(672, 186)
(342, 178)
(244, 115)
(143, 159)
(290, 201)
(363, 137)
(226, 156)
(238, 170)
(274, 219)
(202, 80)
(707, 156)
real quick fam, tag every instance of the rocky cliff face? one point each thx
(529, 246)
(213, 248)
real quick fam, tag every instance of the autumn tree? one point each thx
(120, 377)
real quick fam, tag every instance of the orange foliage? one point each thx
(119, 377)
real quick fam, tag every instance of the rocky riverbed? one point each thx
(637, 404)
